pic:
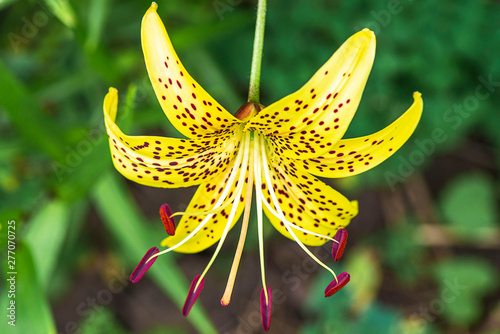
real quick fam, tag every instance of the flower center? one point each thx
(252, 167)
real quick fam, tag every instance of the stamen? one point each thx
(282, 216)
(284, 180)
(226, 297)
(194, 292)
(265, 307)
(224, 234)
(216, 210)
(338, 283)
(228, 186)
(286, 222)
(339, 245)
(259, 199)
(241, 180)
(167, 219)
(144, 265)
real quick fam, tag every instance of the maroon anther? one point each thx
(338, 247)
(192, 295)
(167, 221)
(265, 308)
(337, 284)
(142, 267)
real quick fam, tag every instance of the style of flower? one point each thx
(274, 151)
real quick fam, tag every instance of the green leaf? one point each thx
(102, 321)
(46, 233)
(469, 206)
(89, 158)
(4, 3)
(27, 117)
(128, 227)
(32, 311)
(400, 251)
(97, 11)
(74, 178)
(63, 10)
(463, 282)
(366, 277)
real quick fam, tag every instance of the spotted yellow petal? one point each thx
(306, 123)
(167, 162)
(203, 200)
(353, 156)
(187, 105)
(307, 203)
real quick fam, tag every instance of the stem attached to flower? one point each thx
(258, 43)
(226, 298)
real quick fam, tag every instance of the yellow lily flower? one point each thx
(276, 151)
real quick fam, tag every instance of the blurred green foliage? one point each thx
(58, 58)
(469, 207)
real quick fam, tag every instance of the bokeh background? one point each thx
(423, 253)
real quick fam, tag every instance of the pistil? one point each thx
(226, 298)
(241, 181)
(259, 197)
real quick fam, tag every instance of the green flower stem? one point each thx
(258, 44)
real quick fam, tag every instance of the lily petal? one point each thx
(166, 162)
(357, 155)
(186, 104)
(204, 200)
(306, 123)
(307, 203)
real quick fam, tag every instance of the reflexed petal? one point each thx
(339, 245)
(144, 265)
(192, 295)
(304, 124)
(166, 162)
(337, 284)
(168, 222)
(354, 156)
(265, 308)
(205, 199)
(187, 105)
(308, 203)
